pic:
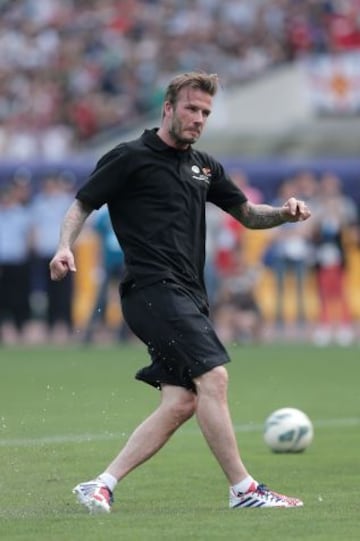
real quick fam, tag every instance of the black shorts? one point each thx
(175, 326)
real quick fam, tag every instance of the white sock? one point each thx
(244, 485)
(109, 480)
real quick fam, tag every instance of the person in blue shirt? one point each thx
(53, 303)
(112, 268)
(15, 242)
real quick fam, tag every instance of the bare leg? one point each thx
(177, 406)
(214, 419)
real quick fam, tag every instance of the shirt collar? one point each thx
(152, 140)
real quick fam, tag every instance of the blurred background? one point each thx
(77, 77)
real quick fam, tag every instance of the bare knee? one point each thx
(213, 383)
(180, 403)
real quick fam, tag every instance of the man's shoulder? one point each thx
(129, 145)
(121, 150)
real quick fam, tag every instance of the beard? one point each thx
(176, 133)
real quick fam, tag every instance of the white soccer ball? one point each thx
(288, 430)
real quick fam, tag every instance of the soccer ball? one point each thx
(288, 430)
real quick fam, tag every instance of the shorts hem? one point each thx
(144, 375)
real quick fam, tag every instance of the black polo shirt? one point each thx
(156, 197)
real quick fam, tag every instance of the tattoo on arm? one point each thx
(73, 222)
(258, 216)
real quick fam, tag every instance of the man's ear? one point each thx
(167, 108)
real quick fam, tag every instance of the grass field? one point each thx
(65, 412)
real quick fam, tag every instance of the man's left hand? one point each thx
(295, 210)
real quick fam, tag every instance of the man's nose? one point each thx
(199, 117)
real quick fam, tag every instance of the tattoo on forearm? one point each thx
(73, 222)
(258, 216)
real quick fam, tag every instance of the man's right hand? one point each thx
(62, 262)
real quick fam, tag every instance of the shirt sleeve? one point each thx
(107, 179)
(223, 192)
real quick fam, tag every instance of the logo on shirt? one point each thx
(203, 174)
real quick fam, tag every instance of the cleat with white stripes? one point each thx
(261, 496)
(95, 496)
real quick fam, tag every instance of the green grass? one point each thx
(65, 412)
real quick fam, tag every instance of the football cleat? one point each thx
(261, 496)
(95, 496)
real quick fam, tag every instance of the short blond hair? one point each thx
(207, 82)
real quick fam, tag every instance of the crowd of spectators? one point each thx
(29, 232)
(33, 308)
(300, 260)
(70, 69)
